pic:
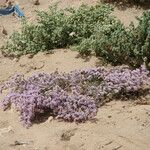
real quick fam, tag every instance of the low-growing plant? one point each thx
(88, 28)
(83, 20)
(85, 47)
(73, 96)
(109, 41)
(30, 40)
(142, 38)
(119, 44)
(54, 28)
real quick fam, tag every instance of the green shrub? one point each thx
(85, 47)
(89, 28)
(142, 38)
(30, 40)
(54, 25)
(114, 43)
(83, 20)
(120, 45)
(54, 29)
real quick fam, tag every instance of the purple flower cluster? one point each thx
(69, 96)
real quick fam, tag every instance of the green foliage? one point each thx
(83, 20)
(55, 27)
(114, 43)
(90, 29)
(142, 38)
(120, 45)
(30, 40)
(85, 47)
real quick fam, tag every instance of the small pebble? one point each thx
(36, 2)
(123, 106)
(109, 116)
(4, 31)
(30, 55)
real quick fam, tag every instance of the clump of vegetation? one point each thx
(55, 27)
(142, 38)
(120, 45)
(73, 96)
(88, 29)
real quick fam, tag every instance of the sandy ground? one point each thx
(117, 126)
